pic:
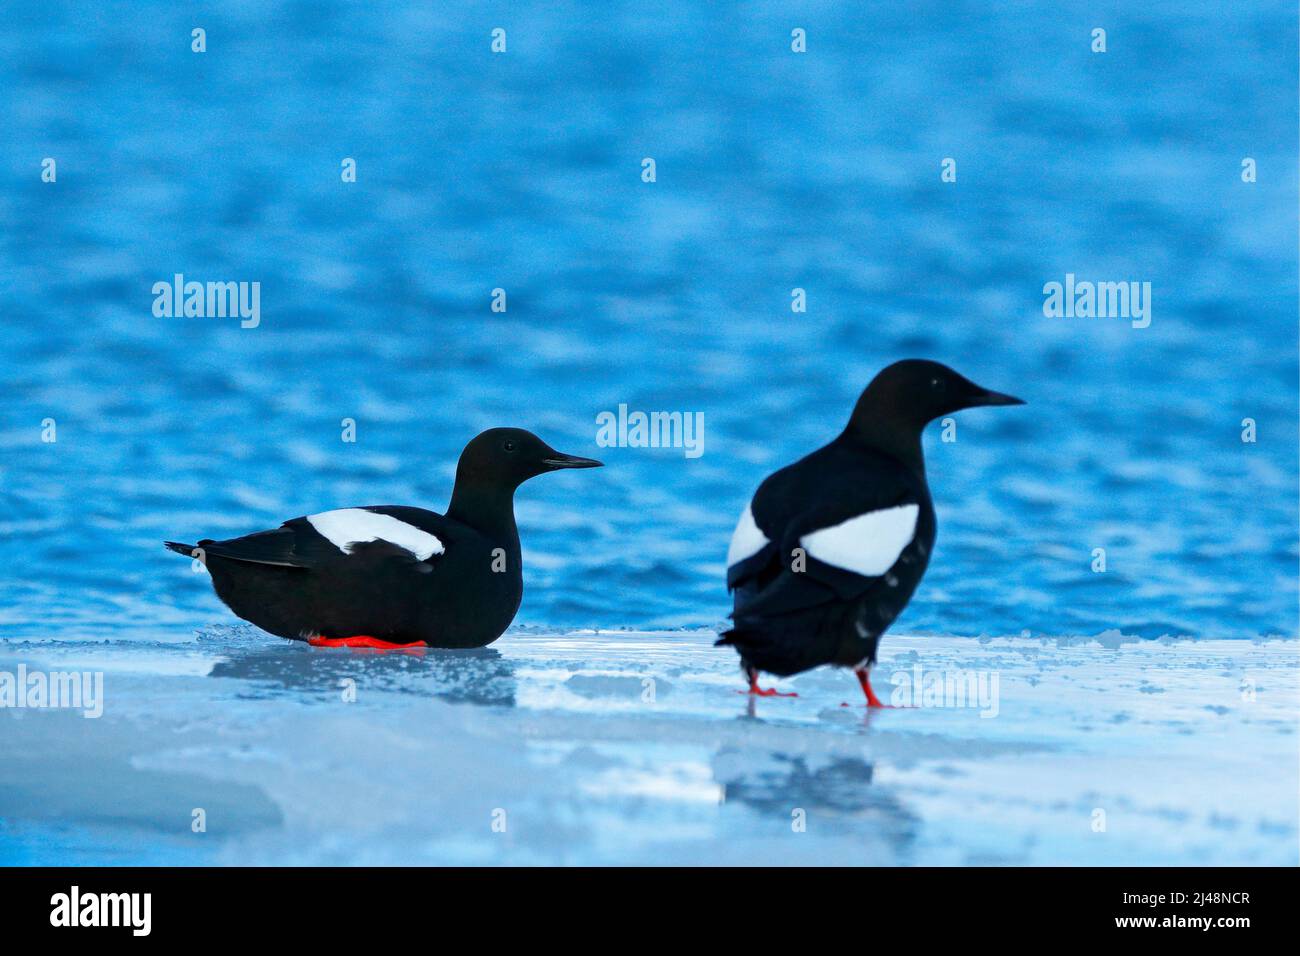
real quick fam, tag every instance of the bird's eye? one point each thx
(509, 446)
(934, 383)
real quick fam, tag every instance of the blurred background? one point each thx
(775, 171)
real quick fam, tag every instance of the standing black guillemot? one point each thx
(390, 575)
(831, 548)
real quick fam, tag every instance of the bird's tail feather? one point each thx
(769, 650)
(788, 643)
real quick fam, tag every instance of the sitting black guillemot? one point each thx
(830, 549)
(390, 575)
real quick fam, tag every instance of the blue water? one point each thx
(775, 170)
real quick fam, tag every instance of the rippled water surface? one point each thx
(774, 171)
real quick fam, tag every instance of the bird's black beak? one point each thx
(985, 397)
(556, 460)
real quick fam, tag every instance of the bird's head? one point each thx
(911, 393)
(510, 456)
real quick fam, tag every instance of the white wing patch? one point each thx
(746, 540)
(868, 544)
(354, 525)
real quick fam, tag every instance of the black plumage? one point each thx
(391, 574)
(832, 547)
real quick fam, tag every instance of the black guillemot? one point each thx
(830, 549)
(390, 575)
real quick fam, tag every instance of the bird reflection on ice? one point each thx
(829, 790)
(475, 676)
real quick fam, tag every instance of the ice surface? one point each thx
(633, 747)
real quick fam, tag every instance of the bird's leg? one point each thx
(757, 691)
(360, 640)
(865, 681)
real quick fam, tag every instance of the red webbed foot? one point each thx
(756, 691)
(865, 681)
(361, 640)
